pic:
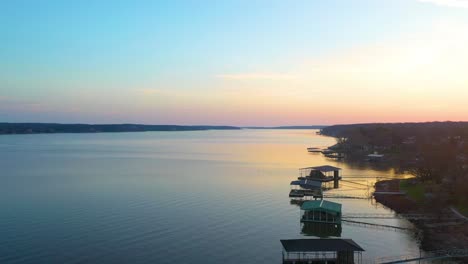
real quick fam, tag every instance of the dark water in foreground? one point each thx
(166, 197)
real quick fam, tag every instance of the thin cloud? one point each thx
(16, 104)
(15, 101)
(452, 3)
(149, 91)
(161, 93)
(257, 76)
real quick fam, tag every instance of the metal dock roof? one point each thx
(324, 168)
(323, 205)
(313, 245)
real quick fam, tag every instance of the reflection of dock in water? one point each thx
(428, 256)
(321, 230)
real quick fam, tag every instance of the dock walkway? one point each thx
(432, 255)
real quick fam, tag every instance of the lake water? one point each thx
(168, 197)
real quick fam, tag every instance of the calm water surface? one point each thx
(166, 197)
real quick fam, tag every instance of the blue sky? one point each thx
(211, 62)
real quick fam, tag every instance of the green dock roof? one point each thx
(316, 245)
(321, 205)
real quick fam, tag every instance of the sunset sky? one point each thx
(234, 62)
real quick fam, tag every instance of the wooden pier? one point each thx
(379, 226)
(431, 255)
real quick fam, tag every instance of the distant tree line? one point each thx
(35, 128)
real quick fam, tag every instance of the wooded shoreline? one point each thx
(435, 153)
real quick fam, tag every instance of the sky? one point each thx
(242, 62)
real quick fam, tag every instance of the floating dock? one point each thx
(314, 150)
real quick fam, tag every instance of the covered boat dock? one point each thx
(321, 211)
(323, 251)
(324, 174)
(305, 187)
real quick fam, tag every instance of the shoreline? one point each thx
(436, 233)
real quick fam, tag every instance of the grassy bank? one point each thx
(413, 190)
